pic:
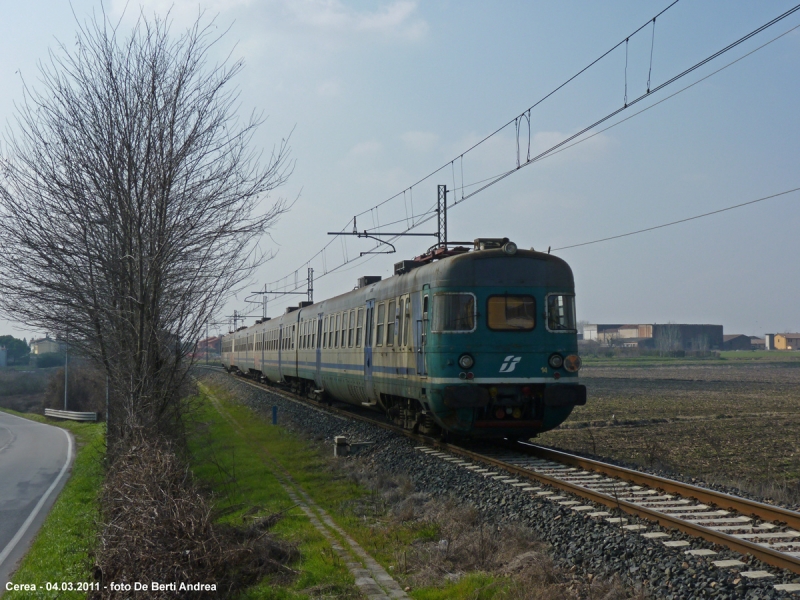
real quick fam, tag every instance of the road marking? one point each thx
(24, 527)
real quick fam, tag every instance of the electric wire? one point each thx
(708, 214)
(565, 144)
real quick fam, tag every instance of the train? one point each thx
(476, 342)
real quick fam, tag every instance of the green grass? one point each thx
(246, 488)
(62, 549)
(233, 464)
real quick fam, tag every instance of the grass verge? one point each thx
(62, 550)
(397, 527)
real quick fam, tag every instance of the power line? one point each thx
(564, 144)
(499, 129)
(708, 214)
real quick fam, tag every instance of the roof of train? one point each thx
(474, 268)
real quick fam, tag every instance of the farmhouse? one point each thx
(45, 345)
(787, 341)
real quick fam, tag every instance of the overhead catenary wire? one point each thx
(572, 140)
(501, 128)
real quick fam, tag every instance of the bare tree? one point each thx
(667, 338)
(131, 205)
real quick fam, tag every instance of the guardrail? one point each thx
(68, 414)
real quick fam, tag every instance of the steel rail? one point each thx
(765, 512)
(762, 553)
(742, 505)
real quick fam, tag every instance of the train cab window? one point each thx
(351, 332)
(379, 328)
(359, 326)
(561, 313)
(391, 318)
(511, 313)
(453, 312)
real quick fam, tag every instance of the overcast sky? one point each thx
(380, 94)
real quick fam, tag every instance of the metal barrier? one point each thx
(68, 414)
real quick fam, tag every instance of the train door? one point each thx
(368, 326)
(404, 338)
(318, 345)
(421, 308)
(280, 353)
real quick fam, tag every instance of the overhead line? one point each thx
(708, 214)
(561, 145)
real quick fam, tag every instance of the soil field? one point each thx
(729, 422)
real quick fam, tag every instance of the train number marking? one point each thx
(510, 363)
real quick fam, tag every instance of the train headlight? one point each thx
(465, 361)
(555, 361)
(572, 363)
(510, 248)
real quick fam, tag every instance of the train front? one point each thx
(503, 351)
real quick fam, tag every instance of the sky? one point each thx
(378, 95)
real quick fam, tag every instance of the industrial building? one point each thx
(667, 336)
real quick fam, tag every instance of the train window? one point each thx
(344, 329)
(325, 332)
(561, 313)
(315, 327)
(351, 332)
(391, 318)
(453, 312)
(511, 313)
(292, 337)
(331, 322)
(359, 326)
(336, 331)
(379, 328)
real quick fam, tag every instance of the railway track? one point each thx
(769, 533)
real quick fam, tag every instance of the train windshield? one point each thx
(453, 312)
(561, 312)
(511, 313)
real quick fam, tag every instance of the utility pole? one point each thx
(66, 371)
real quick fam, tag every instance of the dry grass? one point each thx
(158, 526)
(456, 543)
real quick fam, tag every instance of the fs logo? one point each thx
(510, 363)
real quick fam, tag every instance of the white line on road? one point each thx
(18, 536)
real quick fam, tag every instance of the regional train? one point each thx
(477, 342)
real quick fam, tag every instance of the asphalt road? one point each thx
(35, 460)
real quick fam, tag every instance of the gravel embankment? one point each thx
(589, 544)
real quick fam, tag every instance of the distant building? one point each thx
(787, 341)
(3, 356)
(669, 336)
(757, 343)
(736, 341)
(600, 333)
(688, 336)
(45, 345)
(769, 341)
